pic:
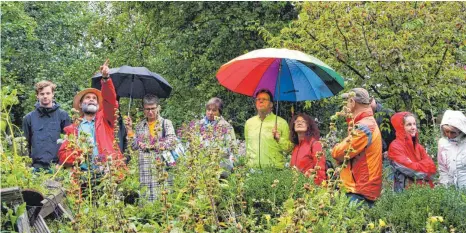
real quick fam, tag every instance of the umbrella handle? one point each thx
(129, 106)
(278, 94)
(130, 96)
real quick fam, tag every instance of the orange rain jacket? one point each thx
(363, 172)
(104, 130)
(409, 159)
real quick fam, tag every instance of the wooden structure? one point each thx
(13, 198)
(52, 204)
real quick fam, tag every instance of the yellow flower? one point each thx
(267, 217)
(435, 219)
(382, 223)
(440, 218)
(371, 225)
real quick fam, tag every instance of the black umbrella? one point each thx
(135, 82)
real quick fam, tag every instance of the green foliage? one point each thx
(268, 189)
(45, 41)
(186, 42)
(9, 219)
(409, 210)
(409, 54)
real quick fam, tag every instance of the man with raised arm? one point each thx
(97, 109)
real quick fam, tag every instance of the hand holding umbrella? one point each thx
(276, 134)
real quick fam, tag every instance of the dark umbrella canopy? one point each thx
(135, 82)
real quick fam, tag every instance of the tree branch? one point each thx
(365, 40)
(359, 74)
(341, 33)
(441, 62)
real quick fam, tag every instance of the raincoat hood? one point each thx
(397, 122)
(404, 138)
(454, 118)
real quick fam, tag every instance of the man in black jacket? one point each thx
(43, 126)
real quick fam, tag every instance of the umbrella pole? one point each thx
(278, 95)
(130, 96)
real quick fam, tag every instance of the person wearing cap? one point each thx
(452, 149)
(43, 126)
(97, 109)
(410, 161)
(361, 150)
(266, 135)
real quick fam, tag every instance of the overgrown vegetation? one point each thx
(411, 55)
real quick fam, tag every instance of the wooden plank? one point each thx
(55, 202)
(50, 203)
(23, 223)
(11, 196)
(64, 210)
(40, 226)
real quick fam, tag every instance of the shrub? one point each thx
(409, 210)
(261, 193)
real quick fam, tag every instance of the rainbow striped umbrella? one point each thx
(289, 74)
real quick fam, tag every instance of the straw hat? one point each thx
(79, 96)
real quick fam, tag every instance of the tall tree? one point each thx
(186, 42)
(409, 54)
(44, 40)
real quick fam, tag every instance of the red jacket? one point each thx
(410, 160)
(304, 158)
(104, 131)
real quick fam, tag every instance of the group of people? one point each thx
(364, 148)
(269, 138)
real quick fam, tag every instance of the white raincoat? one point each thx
(452, 152)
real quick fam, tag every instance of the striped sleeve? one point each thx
(359, 141)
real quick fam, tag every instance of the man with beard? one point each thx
(42, 127)
(97, 109)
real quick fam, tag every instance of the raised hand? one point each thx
(128, 122)
(104, 70)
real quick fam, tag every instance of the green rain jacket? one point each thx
(261, 148)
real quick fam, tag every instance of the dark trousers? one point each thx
(356, 198)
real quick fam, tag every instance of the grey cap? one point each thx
(361, 95)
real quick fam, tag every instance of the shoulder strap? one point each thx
(163, 128)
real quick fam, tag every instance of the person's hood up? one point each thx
(46, 111)
(397, 122)
(454, 118)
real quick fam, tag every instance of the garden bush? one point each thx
(409, 210)
(269, 188)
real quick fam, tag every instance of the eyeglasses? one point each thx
(260, 100)
(150, 109)
(300, 122)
